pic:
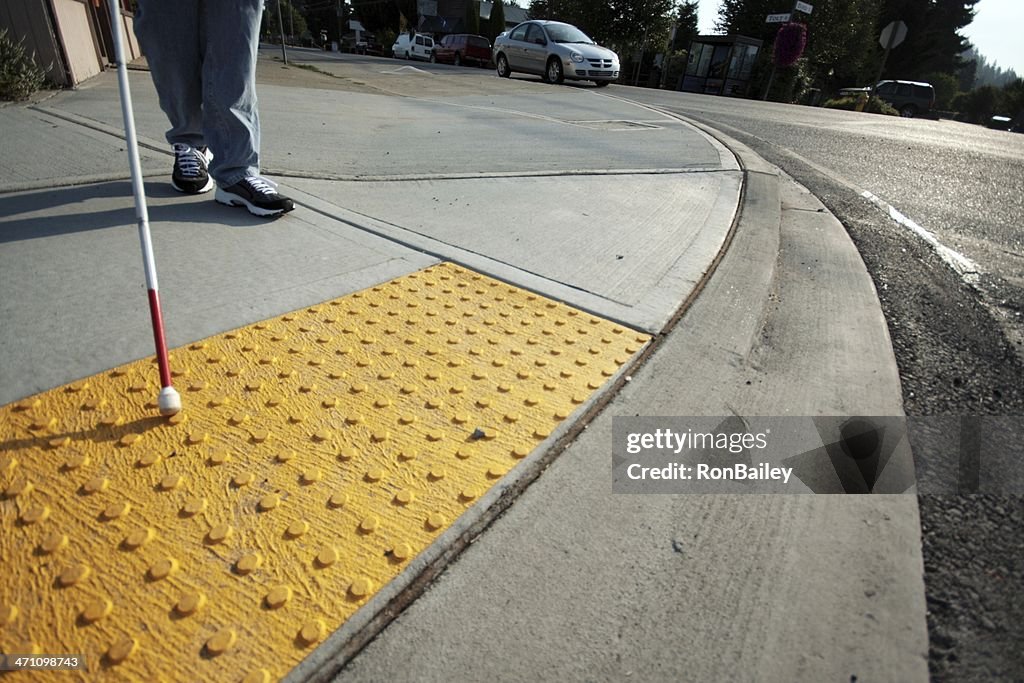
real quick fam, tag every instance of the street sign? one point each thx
(804, 7)
(777, 18)
(895, 31)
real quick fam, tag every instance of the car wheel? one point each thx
(502, 67)
(458, 60)
(908, 111)
(553, 74)
(601, 84)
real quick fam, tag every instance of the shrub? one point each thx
(387, 39)
(978, 105)
(20, 76)
(946, 88)
(674, 70)
(1012, 98)
(875, 106)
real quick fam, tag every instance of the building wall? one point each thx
(66, 36)
(76, 34)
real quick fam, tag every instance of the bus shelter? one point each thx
(720, 65)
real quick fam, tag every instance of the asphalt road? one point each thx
(957, 337)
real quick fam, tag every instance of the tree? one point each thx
(495, 25)
(324, 15)
(294, 22)
(376, 16)
(978, 105)
(933, 42)
(640, 22)
(746, 17)
(409, 10)
(1012, 100)
(472, 16)
(619, 23)
(946, 88)
(686, 25)
(842, 42)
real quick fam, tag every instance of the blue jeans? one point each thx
(202, 57)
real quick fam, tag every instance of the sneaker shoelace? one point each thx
(188, 159)
(261, 185)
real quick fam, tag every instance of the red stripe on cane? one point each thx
(158, 337)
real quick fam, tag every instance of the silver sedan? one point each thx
(555, 51)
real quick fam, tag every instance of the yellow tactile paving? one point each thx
(316, 455)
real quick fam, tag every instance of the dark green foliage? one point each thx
(20, 76)
(674, 70)
(622, 24)
(377, 17)
(294, 22)
(325, 15)
(946, 88)
(495, 25)
(981, 104)
(686, 25)
(933, 42)
(1012, 99)
(977, 106)
(842, 42)
(409, 10)
(472, 17)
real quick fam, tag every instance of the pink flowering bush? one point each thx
(790, 43)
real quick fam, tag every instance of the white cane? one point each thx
(169, 400)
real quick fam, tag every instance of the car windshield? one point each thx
(564, 33)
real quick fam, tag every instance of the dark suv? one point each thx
(909, 98)
(463, 48)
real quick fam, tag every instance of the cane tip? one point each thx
(169, 401)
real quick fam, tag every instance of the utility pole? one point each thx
(639, 64)
(280, 30)
(341, 25)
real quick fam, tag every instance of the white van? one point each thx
(418, 46)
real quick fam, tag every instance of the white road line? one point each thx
(964, 267)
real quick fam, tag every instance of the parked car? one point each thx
(555, 51)
(416, 46)
(909, 98)
(368, 46)
(460, 48)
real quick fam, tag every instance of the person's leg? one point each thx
(168, 34)
(231, 120)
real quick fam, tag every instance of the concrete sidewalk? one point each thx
(759, 301)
